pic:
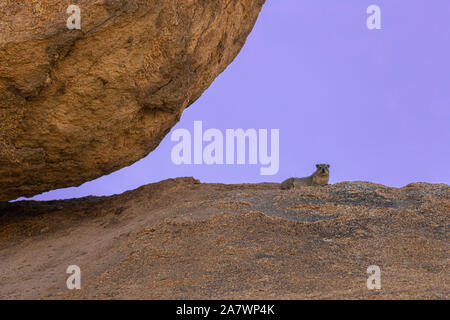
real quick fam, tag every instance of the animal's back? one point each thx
(295, 182)
(287, 184)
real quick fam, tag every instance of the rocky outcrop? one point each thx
(180, 239)
(78, 104)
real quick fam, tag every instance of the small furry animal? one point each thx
(320, 177)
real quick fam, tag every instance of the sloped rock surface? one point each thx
(78, 104)
(179, 239)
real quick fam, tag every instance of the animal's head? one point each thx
(323, 169)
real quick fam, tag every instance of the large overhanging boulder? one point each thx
(79, 104)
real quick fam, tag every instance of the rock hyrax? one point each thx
(320, 177)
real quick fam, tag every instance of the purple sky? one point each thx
(375, 104)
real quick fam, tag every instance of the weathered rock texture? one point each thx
(179, 239)
(75, 105)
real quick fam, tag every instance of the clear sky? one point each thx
(374, 104)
